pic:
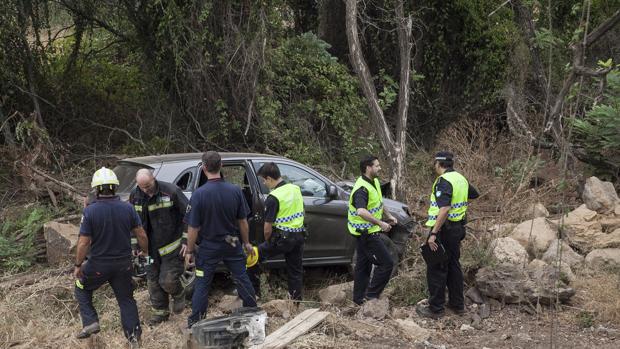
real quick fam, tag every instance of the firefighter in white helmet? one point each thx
(105, 230)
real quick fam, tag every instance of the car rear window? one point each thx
(126, 174)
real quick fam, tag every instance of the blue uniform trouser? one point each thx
(210, 254)
(118, 273)
(371, 250)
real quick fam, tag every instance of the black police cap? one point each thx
(444, 155)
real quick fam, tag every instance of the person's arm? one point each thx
(192, 236)
(389, 217)
(143, 240)
(271, 210)
(181, 202)
(83, 245)
(472, 193)
(443, 197)
(360, 202)
(244, 228)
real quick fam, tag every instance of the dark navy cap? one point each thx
(444, 155)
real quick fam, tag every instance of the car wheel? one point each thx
(389, 245)
(188, 280)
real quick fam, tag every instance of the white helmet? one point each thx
(103, 176)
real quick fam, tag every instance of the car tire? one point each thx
(389, 245)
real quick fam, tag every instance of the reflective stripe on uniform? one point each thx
(184, 236)
(138, 208)
(289, 218)
(163, 204)
(169, 248)
(200, 273)
(361, 225)
(372, 210)
(291, 230)
(160, 312)
(79, 284)
(134, 241)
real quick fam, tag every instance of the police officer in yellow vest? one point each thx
(284, 229)
(446, 219)
(365, 223)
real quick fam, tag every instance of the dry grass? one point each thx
(600, 295)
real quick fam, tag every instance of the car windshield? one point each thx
(126, 174)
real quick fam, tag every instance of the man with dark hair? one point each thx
(105, 230)
(365, 223)
(446, 220)
(161, 207)
(218, 213)
(283, 229)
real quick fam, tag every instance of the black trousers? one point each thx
(292, 246)
(448, 274)
(371, 251)
(118, 274)
(164, 279)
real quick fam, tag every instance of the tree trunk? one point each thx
(332, 28)
(394, 147)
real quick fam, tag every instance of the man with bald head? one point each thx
(161, 207)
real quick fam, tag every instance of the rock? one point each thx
(61, 241)
(611, 240)
(484, 311)
(599, 196)
(523, 337)
(375, 308)
(569, 256)
(278, 308)
(466, 328)
(228, 303)
(537, 232)
(474, 295)
(581, 228)
(536, 283)
(604, 258)
(502, 229)
(336, 294)
(508, 250)
(536, 210)
(617, 209)
(412, 330)
(400, 313)
(505, 337)
(495, 304)
(610, 223)
(476, 321)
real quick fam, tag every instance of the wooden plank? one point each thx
(289, 325)
(293, 329)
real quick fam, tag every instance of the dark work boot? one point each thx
(157, 319)
(178, 303)
(87, 331)
(425, 311)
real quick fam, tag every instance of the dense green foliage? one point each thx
(162, 76)
(17, 238)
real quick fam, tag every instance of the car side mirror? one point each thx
(332, 192)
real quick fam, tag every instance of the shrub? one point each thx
(18, 236)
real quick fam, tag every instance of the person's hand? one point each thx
(392, 220)
(385, 227)
(249, 249)
(77, 272)
(189, 259)
(183, 250)
(431, 242)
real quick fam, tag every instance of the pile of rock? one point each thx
(534, 264)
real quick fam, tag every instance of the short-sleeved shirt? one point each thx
(215, 208)
(360, 197)
(108, 221)
(272, 205)
(443, 192)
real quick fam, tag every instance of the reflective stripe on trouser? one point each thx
(170, 247)
(164, 280)
(118, 275)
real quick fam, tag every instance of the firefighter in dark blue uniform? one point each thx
(105, 232)
(217, 216)
(161, 207)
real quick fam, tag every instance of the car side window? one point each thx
(184, 181)
(309, 184)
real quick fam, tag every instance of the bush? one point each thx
(306, 94)
(18, 236)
